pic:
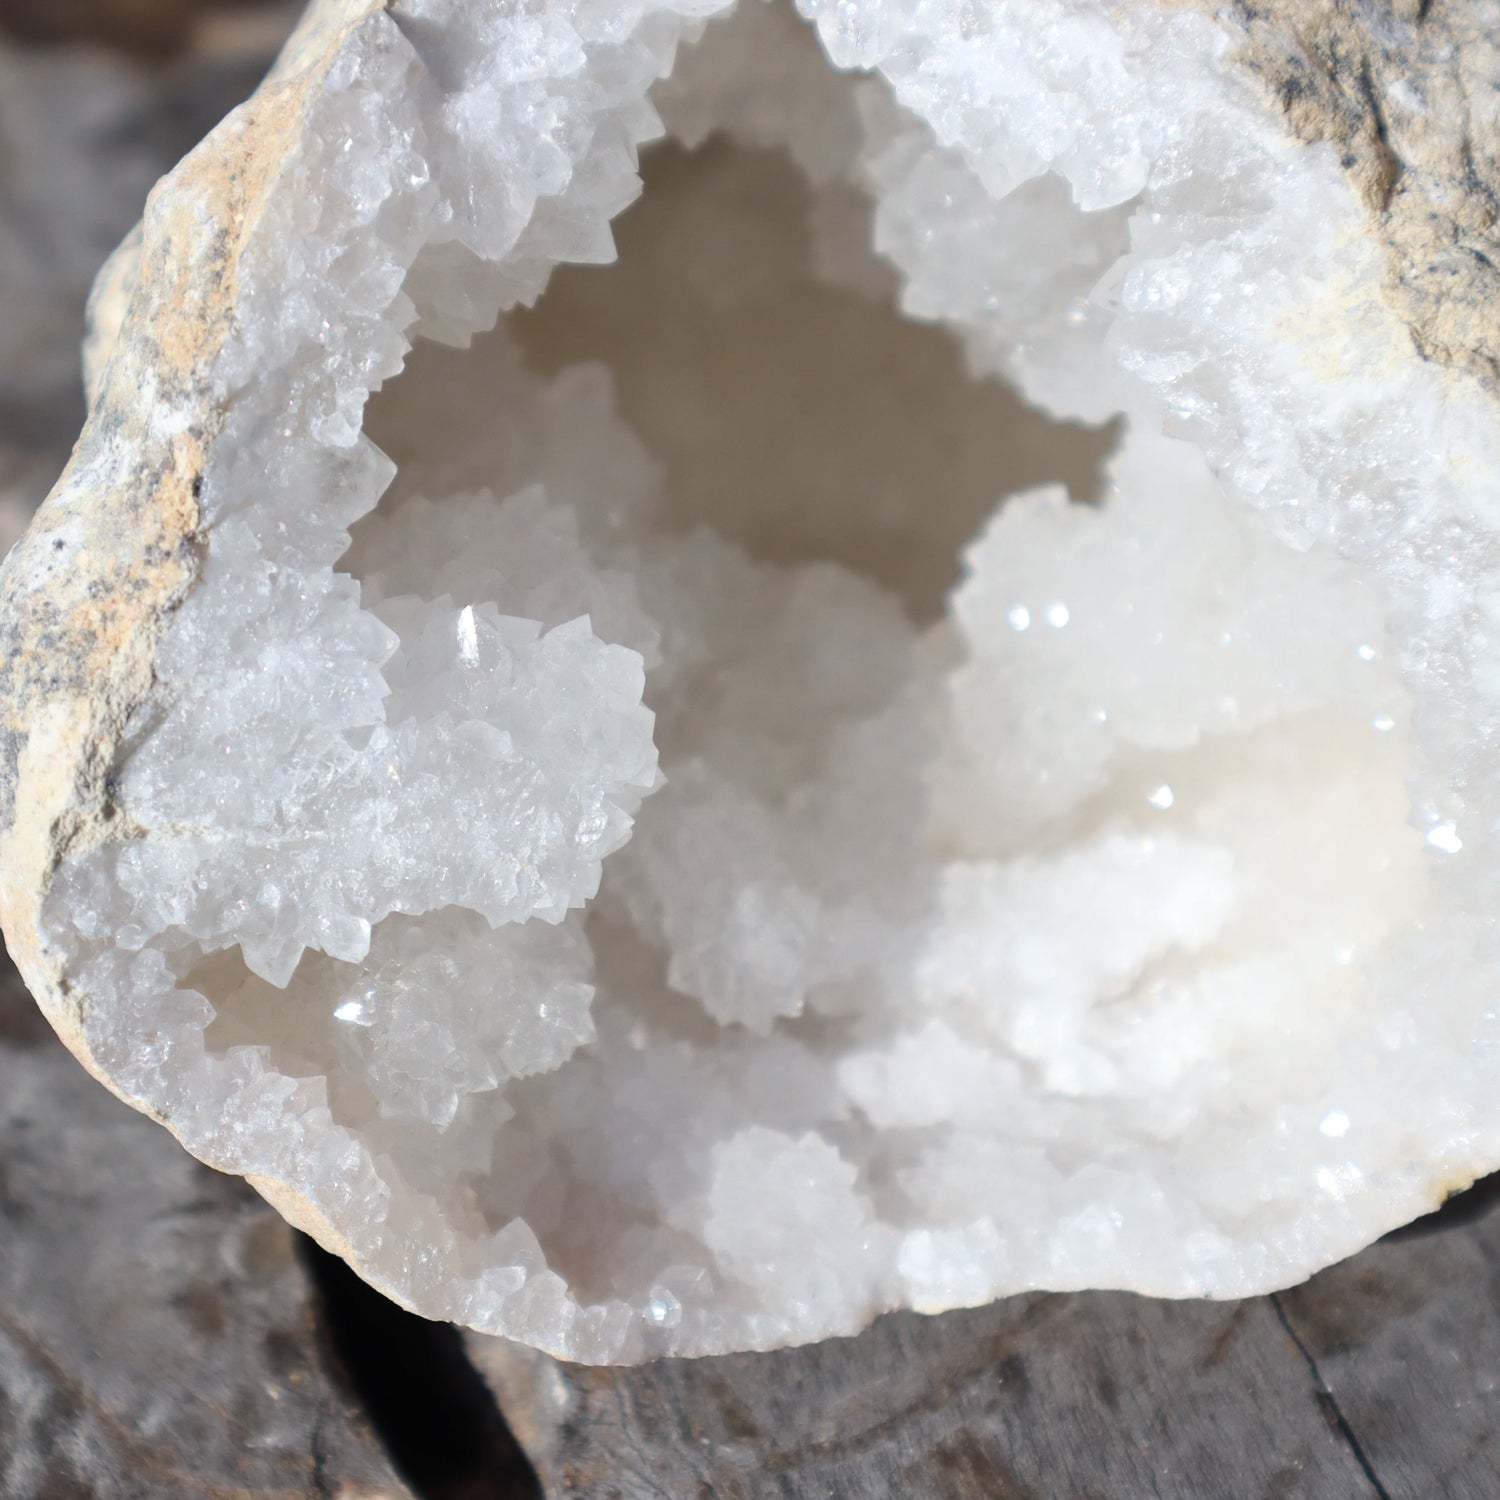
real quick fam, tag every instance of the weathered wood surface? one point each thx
(1380, 1377)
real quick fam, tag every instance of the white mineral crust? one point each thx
(630, 927)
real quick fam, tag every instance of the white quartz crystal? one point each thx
(583, 852)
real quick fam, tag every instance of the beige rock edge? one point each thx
(87, 593)
(117, 541)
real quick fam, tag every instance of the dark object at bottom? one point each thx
(437, 1416)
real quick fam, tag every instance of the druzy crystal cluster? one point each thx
(921, 735)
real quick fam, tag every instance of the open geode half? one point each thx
(703, 816)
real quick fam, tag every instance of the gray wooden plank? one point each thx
(1405, 1339)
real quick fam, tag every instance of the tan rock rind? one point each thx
(1408, 93)
(85, 596)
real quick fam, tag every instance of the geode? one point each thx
(926, 733)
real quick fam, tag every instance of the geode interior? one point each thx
(920, 736)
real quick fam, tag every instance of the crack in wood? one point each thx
(1330, 1402)
(438, 1420)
